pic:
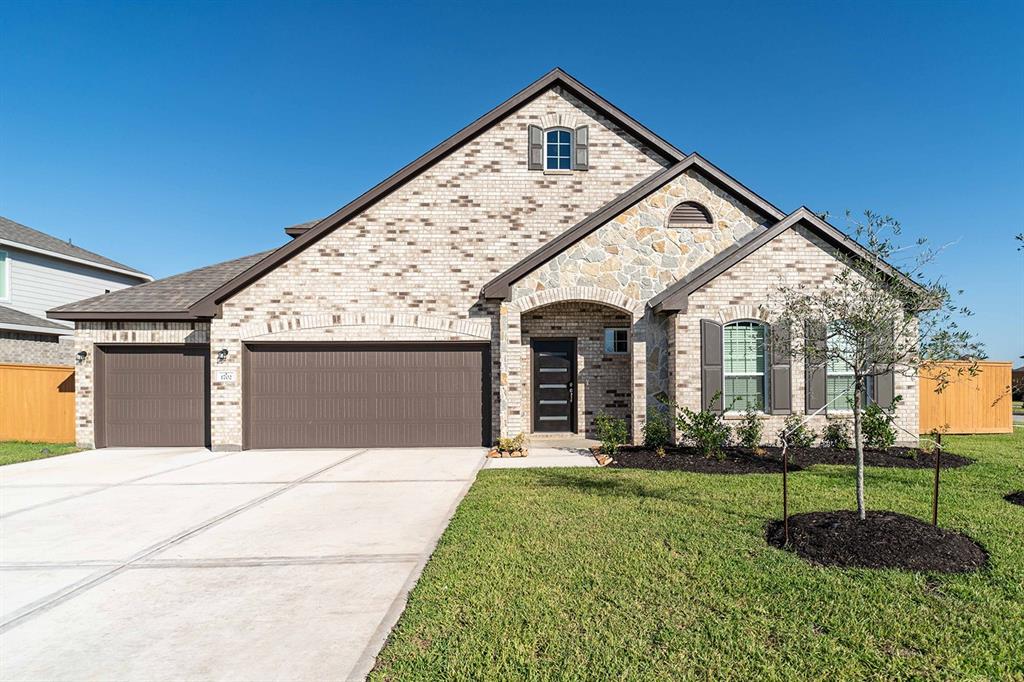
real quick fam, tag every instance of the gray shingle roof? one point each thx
(168, 295)
(12, 316)
(16, 232)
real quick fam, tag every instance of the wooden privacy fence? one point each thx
(978, 404)
(37, 403)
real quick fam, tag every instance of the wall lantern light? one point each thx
(80, 357)
(222, 355)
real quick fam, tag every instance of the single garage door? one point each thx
(320, 396)
(152, 395)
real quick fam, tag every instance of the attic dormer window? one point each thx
(559, 149)
(690, 214)
(558, 146)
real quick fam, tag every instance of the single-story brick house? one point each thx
(553, 260)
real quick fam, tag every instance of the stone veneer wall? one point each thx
(88, 334)
(428, 248)
(22, 348)
(636, 254)
(745, 291)
(634, 257)
(603, 380)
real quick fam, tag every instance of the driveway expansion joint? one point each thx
(50, 601)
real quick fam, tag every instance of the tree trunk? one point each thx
(858, 441)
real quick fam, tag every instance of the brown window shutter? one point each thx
(581, 160)
(884, 389)
(689, 214)
(814, 369)
(536, 155)
(781, 387)
(710, 365)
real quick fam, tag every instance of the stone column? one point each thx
(638, 353)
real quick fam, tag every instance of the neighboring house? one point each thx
(39, 272)
(553, 260)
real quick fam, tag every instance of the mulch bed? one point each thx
(1016, 498)
(883, 540)
(739, 460)
(735, 461)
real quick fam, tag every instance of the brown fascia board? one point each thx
(208, 305)
(674, 298)
(500, 286)
(121, 316)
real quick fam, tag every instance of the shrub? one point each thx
(799, 436)
(705, 430)
(748, 431)
(656, 429)
(836, 434)
(611, 431)
(876, 425)
(513, 444)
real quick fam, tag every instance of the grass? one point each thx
(567, 574)
(14, 451)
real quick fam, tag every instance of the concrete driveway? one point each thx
(158, 564)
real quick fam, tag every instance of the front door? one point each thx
(554, 387)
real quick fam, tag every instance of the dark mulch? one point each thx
(734, 461)
(1016, 498)
(737, 460)
(883, 540)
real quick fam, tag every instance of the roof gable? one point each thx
(208, 306)
(674, 298)
(500, 286)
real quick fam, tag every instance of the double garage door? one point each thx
(321, 396)
(300, 396)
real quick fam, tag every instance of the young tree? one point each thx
(880, 316)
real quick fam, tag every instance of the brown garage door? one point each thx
(152, 395)
(304, 396)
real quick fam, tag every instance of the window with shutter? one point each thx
(690, 214)
(558, 149)
(743, 354)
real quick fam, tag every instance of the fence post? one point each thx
(935, 491)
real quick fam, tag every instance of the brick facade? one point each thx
(796, 257)
(22, 348)
(89, 334)
(427, 249)
(411, 267)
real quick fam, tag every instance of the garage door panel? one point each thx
(382, 395)
(152, 396)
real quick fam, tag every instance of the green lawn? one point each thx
(14, 451)
(622, 574)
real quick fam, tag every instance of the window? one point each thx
(616, 341)
(558, 150)
(743, 357)
(690, 214)
(839, 378)
(5, 277)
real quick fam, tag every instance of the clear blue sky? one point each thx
(174, 135)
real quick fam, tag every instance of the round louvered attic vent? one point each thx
(689, 214)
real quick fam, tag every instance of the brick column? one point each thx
(639, 387)
(672, 387)
(511, 394)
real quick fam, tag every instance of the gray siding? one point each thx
(40, 282)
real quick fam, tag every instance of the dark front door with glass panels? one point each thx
(554, 385)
